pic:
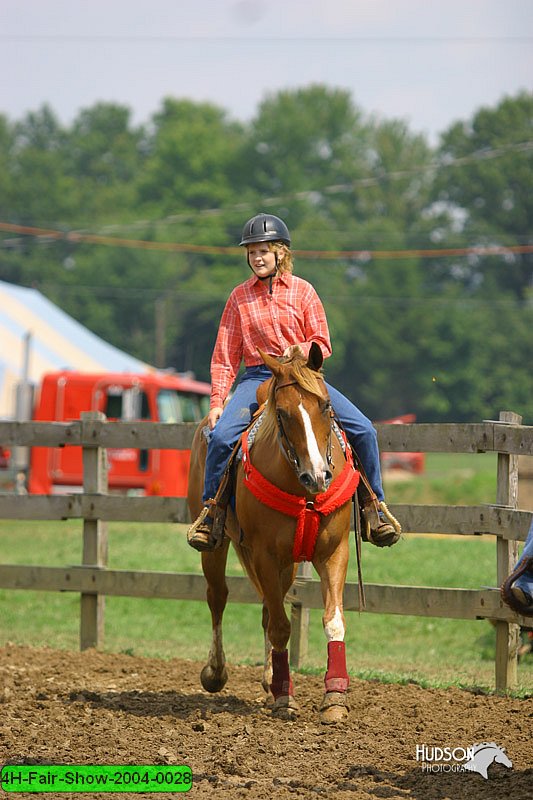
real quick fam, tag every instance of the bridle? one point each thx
(288, 450)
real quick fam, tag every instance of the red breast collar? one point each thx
(307, 512)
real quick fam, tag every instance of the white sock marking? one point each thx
(334, 629)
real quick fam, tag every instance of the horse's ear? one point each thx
(271, 362)
(315, 358)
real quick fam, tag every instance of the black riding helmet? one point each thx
(265, 228)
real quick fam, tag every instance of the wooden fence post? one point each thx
(299, 640)
(507, 634)
(92, 606)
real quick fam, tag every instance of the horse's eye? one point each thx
(326, 407)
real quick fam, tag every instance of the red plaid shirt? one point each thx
(255, 318)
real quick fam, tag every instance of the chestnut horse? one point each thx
(295, 450)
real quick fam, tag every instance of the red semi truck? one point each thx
(408, 462)
(159, 397)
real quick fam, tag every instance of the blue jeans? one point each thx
(528, 544)
(237, 415)
(525, 582)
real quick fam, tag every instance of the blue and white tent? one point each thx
(57, 342)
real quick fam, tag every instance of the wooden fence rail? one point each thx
(95, 507)
(489, 436)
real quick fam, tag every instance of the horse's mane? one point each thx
(308, 379)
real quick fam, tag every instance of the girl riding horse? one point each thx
(280, 314)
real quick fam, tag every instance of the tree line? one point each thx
(422, 255)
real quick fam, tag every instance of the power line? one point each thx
(161, 38)
(444, 162)
(76, 237)
(84, 237)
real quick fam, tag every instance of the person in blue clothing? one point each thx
(517, 590)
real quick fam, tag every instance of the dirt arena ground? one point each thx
(62, 707)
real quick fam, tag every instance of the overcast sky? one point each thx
(429, 62)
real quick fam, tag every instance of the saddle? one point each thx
(373, 520)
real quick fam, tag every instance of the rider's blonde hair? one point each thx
(284, 256)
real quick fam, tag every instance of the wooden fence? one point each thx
(93, 580)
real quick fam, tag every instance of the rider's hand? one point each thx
(292, 350)
(213, 417)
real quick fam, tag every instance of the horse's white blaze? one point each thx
(317, 462)
(334, 629)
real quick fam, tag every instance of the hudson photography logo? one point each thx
(476, 758)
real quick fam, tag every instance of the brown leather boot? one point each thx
(382, 529)
(518, 597)
(200, 532)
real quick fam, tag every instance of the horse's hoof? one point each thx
(334, 708)
(285, 707)
(213, 680)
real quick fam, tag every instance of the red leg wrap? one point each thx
(336, 679)
(281, 679)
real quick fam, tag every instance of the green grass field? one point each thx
(388, 647)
